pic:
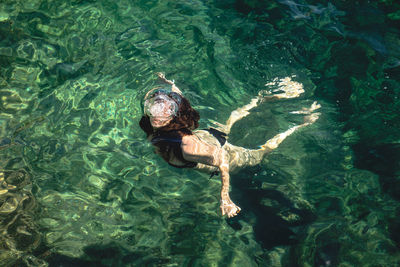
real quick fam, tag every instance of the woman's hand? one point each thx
(162, 78)
(174, 88)
(229, 208)
(196, 150)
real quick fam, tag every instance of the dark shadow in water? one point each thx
(383, 160)
(65, 261)
(394, 228)
(327, 255)
(270, 228)
(110, 254)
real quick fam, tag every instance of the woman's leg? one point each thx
(241, 157)
(286, 88)
(235, 116)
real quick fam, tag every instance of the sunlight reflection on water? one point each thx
(73, 75)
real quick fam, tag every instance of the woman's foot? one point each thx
(314, 106)
(274, 142)
(311, 117)
(284, 88)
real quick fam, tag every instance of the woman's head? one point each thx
(161, 108)
(165, 110)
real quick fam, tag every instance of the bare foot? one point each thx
(229, 208)
(309, 110)
(286, 88)
(310, 119)
(314, 106)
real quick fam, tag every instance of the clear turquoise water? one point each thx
(83, 187)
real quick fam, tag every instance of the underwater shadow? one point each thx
(271, 229)
(108, 254)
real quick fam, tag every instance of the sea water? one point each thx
(81, 186)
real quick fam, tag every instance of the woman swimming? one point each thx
(170, 124)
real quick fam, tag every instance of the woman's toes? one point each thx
(312, 118)
(315, 106)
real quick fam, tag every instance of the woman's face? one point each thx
(158, 123)
(162, 118)
(161, 110)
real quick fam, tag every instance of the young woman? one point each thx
(170, 124)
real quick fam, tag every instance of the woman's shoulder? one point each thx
(189, 139)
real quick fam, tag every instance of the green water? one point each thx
(82, 187)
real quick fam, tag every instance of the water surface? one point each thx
(82, 186)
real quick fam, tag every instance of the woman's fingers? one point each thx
(234, 212)
(160, 75)
(229, 209)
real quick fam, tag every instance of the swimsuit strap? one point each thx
(169, 142)
(220, 136)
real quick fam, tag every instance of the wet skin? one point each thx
(203, 148)
(162, 118)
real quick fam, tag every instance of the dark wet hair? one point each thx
(186, 120)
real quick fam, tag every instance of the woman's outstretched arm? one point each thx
(196, 150)
(174, 88)
(227, 206)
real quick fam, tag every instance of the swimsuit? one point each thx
(221, 137)
(169, 144)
